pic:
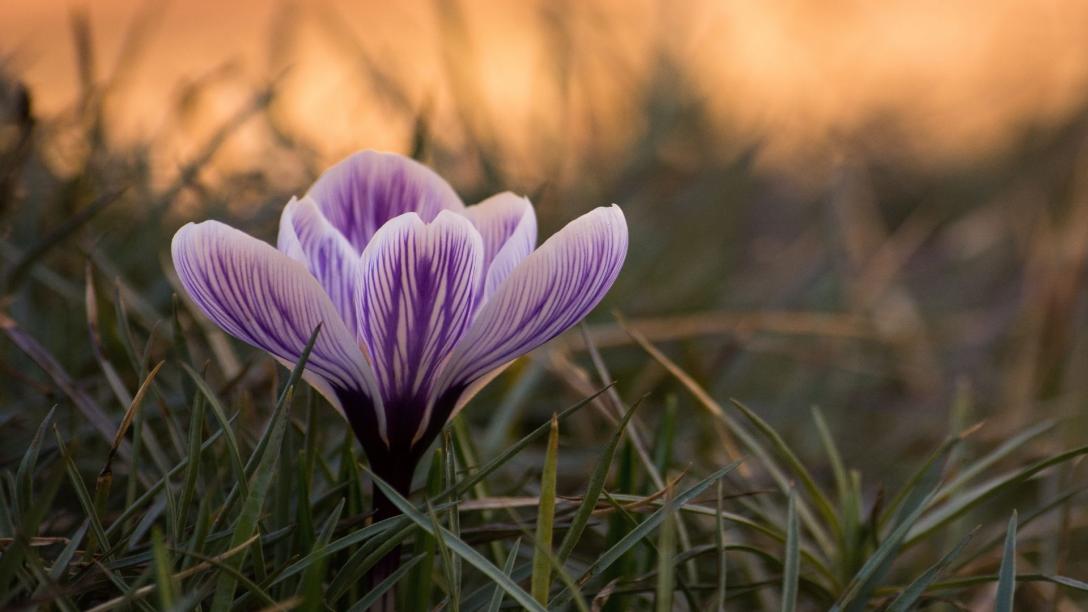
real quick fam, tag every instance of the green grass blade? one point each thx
(856, 595)
(449, 452)
(354, 538)
(906, 600)
(246, 524)
(1022, 522)
(643, 529)
(60, 564)
(311, 584)
(666, 549)
(823, 504)
(466, 483)
(366, 557)
(508, 569)
(791, 569)
(542, 566)
(458, 546)
(164, 579)
(593, 491)
(192, 471)
(453, 582)
(1006, 576)
(719, 543)
(421, 583)
(224, 423)
(970, 498)
(83, 495)
(24, 476)
(153, 490)
(970, 471)
(838, 469)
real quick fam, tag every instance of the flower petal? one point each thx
(361, 193)
(419, 293)
(554, 288)
(507, 224)
(306, 236)
(264, 298)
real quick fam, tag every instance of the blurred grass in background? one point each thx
(880, 212)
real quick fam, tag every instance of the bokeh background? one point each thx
(880, 208)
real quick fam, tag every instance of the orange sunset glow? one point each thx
(947, 80)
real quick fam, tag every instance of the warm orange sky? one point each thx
(955, 78)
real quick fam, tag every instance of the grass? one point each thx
(905, 350)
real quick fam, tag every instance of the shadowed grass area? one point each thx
(906, 348)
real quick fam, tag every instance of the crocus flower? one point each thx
(421, 299)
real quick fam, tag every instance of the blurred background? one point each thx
(877, 208)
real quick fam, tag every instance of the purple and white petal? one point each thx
(420, 288)
(306, 236)
(363, 192)
(507, 224)
(554, 288)
(262, 297)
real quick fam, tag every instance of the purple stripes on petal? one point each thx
(361, 193)
(306, 236)
(261, 296)
(507, 224)
(554, 288)
(419, 293)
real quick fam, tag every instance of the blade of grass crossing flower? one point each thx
(357, 537)
(246, 524)
(1006, 575)
(363, 559)
(166, 585)
(791, 569)
(376, 593)
(593, 491)
(666, 548)
(910, 595)
(542, 567)
(421, 581)
(458, 546)
(508, 569)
